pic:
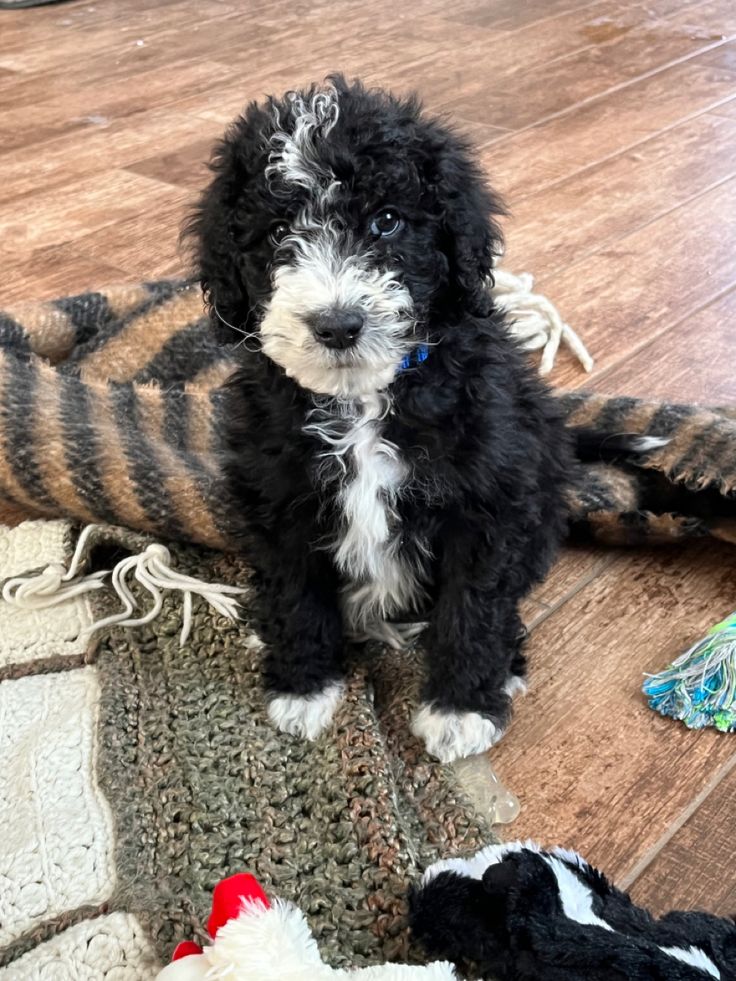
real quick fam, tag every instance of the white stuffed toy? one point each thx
(256, 940)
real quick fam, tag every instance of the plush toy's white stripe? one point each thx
(576, 898)
(474, 866)
(695, 957)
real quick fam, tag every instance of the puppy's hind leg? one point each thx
(516, 683)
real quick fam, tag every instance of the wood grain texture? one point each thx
(633, 49)
(648, 281)
(88, 107)
(125, 242)
(574, 568)
(114, 143)
(616, 121)
(609, 126)
(695, 868)
(623, 193)
(594, 767)
(99, 200)
(693, 362)
(57, 271)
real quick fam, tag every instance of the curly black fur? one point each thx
(487, 455)
(536, 915)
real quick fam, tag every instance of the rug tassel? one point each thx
(700, 686)
(151, 568)
(535, 320)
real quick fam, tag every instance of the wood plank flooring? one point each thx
(610, 126)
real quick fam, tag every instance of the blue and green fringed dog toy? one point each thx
(700, 686)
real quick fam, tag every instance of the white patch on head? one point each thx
(695, 957)
(514, 685)
(306, 716)
(368, 474)
(324, 273)
(294, 157)
(454, 735)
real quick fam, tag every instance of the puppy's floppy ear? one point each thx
(211, 229)
(472, 236)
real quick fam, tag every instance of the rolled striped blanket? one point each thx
(113, 408)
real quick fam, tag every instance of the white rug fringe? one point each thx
(151, 568)
(535, 320)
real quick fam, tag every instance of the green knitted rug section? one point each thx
(201, 785)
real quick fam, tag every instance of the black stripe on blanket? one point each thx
(13, 337)
(176, 418)
(144, 467)
(20, 422)
(189, 351)
(614, 410)
(228, 513)
(81, 449)
(211, 486)
(88, 313)
(667, 420)
(159, 293)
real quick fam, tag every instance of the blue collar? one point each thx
(415, 357)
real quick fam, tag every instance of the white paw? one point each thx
(514, 685)
(454, 735)
(306, 716)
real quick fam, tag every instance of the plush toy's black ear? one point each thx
(211, 230)
(472, 235)
(524, 884)
(452, 917)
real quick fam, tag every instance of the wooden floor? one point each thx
(611, 128)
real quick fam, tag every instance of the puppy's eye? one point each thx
(386, 223)
(278, 232)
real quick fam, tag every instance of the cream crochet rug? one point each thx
(56, 847)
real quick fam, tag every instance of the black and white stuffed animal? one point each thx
(519, 913)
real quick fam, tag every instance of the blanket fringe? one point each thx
(152, 568)
(535, 320)
(699, 687)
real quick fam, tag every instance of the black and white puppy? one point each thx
(396, 459)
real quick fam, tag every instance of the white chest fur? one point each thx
(366, 473)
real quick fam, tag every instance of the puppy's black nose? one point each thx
(337, 328)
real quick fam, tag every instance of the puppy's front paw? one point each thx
(306, 716)
(515, 685)
(454, 735)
